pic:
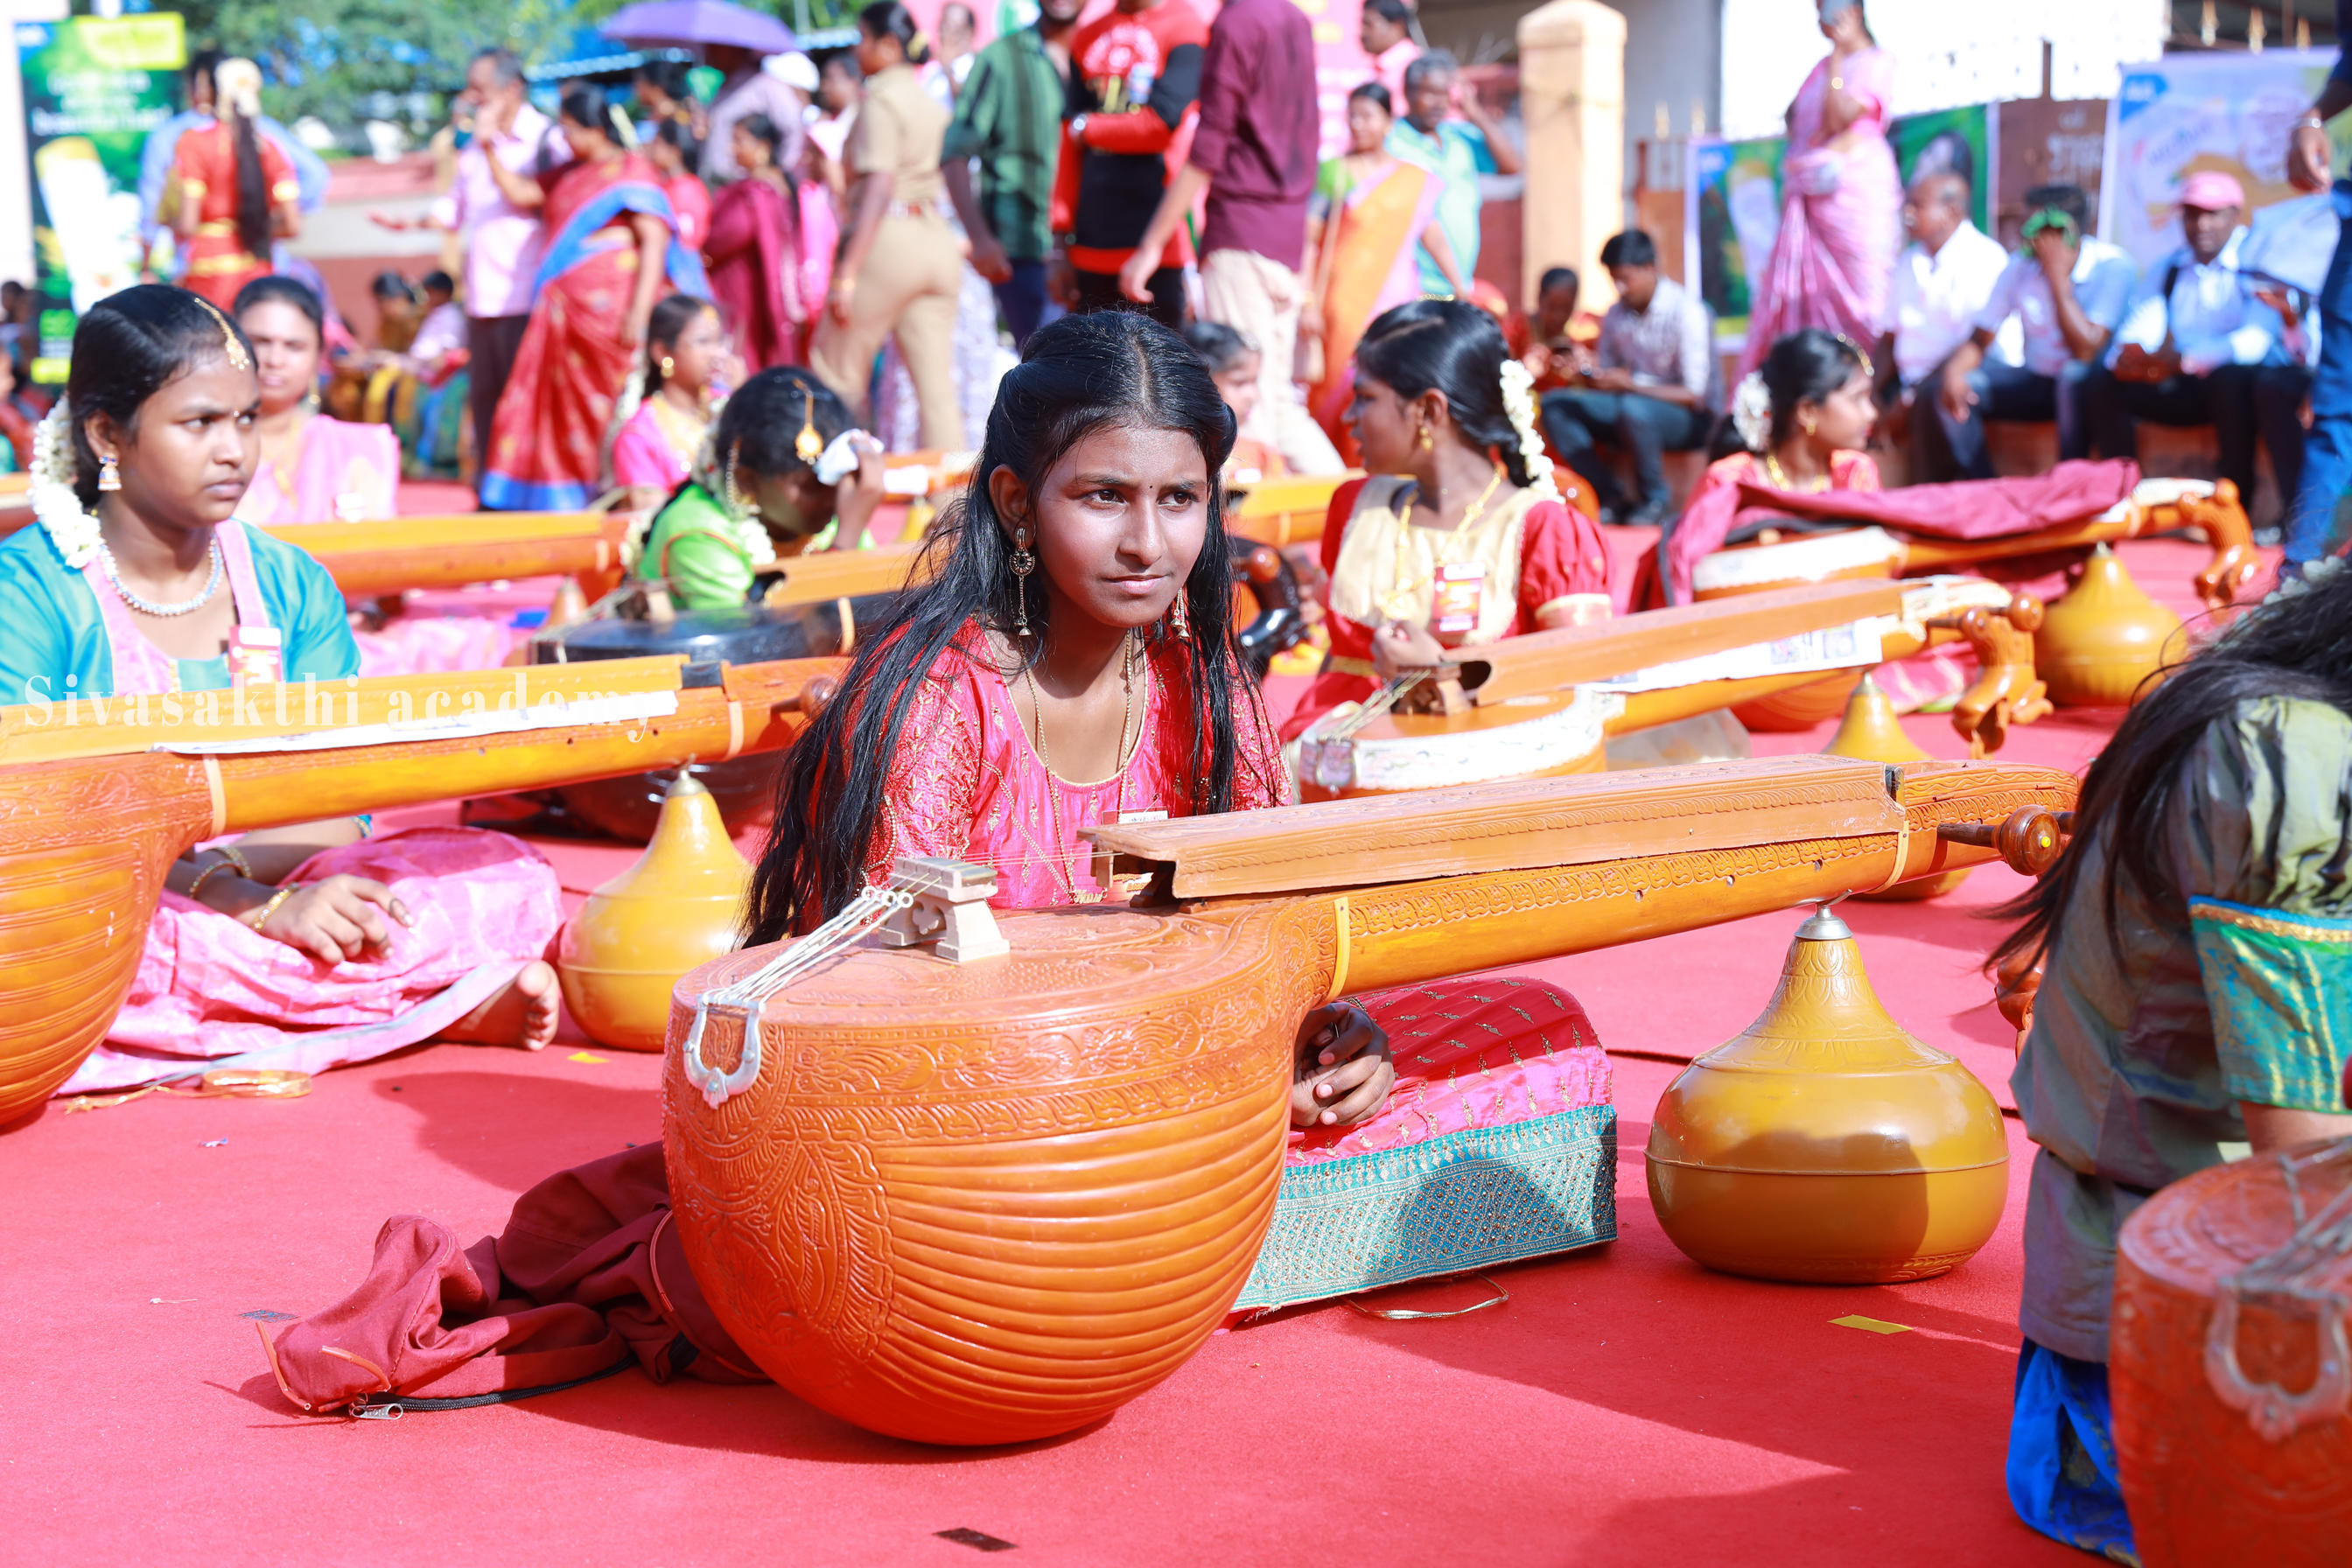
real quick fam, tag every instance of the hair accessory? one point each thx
(56, 501)
(808, 446)
(232, 346)
(1519, 403)
(236, 87)
(1859, 352)
(1751, 411)
(109, 476)
(717, 481)
(1024, 563)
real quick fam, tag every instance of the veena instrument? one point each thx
(970, 1179)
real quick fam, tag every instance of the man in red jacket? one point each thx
(1136, 84)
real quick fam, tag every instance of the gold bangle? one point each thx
(203, 876)
(234, 856)
(259, 916)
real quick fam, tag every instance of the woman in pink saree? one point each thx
(1840, 197)
(292, 948)
(316, 468)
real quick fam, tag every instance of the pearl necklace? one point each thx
(147, 606)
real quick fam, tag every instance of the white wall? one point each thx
(1673, 51)
(1946, 53)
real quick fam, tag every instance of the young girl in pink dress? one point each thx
(296, 947)
(656, 447)
(1067, 662)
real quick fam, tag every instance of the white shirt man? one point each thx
(1937, 295)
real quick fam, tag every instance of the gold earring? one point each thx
(669, 367)
(1181, 620)
(109, 476)
(1024, 563)
(1428, 438)
(1808, 424)
(808, 446)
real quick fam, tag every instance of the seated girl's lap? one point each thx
(1487, 1051)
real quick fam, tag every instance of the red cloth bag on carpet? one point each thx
(588, 1273)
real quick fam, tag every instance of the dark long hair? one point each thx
(1454, 347)
(2298, 646)
(759, 430)
(128, 348)
(1806, 366)
(1081, 374)
(670, 318)
(253, 225)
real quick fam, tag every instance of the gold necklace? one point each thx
(1066, 860)
(1404, 587)
(1780, 477)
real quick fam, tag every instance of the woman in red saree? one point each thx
(237, 195)
(612, 249)
(753, 252)
(1067, 662)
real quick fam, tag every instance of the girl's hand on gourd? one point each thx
(1344, 1072)
(338, 918)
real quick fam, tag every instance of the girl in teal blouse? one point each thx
(296, 947)
(2197, 1001)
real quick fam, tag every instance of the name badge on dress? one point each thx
(1455, 601)
(257, 655)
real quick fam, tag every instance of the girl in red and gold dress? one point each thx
(238, 193)
(1459, 538)
(1067, 662)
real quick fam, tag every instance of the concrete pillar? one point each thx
(1572, 100)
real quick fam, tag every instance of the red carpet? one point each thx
(1623, 1407)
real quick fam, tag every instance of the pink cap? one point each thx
(2210, 190)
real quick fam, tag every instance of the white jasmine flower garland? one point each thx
(1519, 402)
(1751, 412)
(72, 530)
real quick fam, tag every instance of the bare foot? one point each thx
(523, 1014)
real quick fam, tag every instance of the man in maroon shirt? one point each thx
(1254, 153)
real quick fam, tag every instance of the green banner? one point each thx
(94, 87)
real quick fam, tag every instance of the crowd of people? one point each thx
(897, 219)
(1956, 330)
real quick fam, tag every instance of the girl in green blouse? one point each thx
(786, 473)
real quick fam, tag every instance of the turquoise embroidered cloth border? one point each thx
(2279, 985)
(1469, 1200)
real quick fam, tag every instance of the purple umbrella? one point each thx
(683, 24)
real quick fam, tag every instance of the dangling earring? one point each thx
(1024, 563)
(1428, 438)
(1179, 620)
(109, 476)
(669, 367)
(808, 446)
